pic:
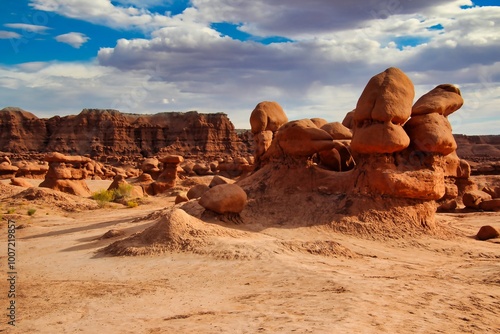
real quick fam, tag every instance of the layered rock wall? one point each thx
(99, 132)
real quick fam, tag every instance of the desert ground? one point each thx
(268, 280)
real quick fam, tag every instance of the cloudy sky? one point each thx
(313, 57)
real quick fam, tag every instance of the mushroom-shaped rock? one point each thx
(337, 130)
(382, 109)
(431, 133)
(267, 116)
(302, 138)
(487, 232)
(224, 198)
(444, 100)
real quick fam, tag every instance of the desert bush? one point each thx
(103, 196)
(31, 212)
(123, 191)
(132, 204)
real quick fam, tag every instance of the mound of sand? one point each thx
(52, 198)
(174, 231)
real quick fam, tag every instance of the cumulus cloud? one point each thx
(335, 47)
(75, 39)
(103, 12)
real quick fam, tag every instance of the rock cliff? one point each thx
(99, 132)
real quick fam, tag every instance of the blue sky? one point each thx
(313, 57)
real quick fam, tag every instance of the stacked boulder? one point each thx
(265, 120)
(67, 174)
(168, 177)
(7, 170)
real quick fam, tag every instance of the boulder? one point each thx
(431, 133)
(444, 100)
(217, 179)
(388, 97)
(319, 122)
(379, 138)
(337, 130)
(494, 192)
(472, 199)
(300, 138)
(348, 120)
(20, 183)
(490, 205)
(224, 198)
(267, 116)
(180, 198)
(197, 191)
(487, 232)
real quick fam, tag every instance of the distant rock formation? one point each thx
(107, 132)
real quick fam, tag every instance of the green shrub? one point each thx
(31, 212)
(123, 191)
(103, 196)
(132, 204)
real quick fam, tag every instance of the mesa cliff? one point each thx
(98, 132)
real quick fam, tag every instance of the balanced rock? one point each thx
(267, 116)
(383, 107)
(224, 198)
(444, 100)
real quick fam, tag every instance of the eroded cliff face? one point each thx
(100, 132)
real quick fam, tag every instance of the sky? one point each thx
(312, 57)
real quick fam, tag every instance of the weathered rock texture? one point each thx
(109, 132)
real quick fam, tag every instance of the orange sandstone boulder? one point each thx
(379, 138)
(388, 97)
(319, 122)
(224, 198)
(267, 116)
(472, 199)
(487, 232)
(444, 100)
(431, 133)
(337, 130)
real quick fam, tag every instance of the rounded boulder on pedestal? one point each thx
(267, 116)
(444, 100)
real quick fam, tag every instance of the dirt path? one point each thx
(274, 283)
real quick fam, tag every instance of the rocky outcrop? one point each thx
(106, 132)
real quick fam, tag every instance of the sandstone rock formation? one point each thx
(487, 232)
(168, 176)
(224, 198)
(67, 174)
(106, 132)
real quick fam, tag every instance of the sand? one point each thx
(274, 280)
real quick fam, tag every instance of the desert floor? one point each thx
(267, 285)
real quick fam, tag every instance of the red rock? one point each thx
(337, 130)
(490, 205)
(431, 133)
(379, 138)
(387, 97)
(444, 100)
(267, 116)
(197, 191)
(224, 198)
(472, 199)
(319, 122)
(20, 183)
(487, 232)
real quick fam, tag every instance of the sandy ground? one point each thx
(269, 285)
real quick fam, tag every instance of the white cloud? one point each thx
(337, 46)
(9, 34)
(103, 12)
(27, 27)
(75, 39)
